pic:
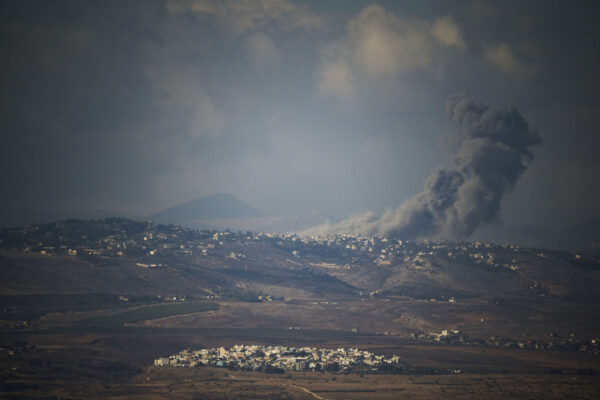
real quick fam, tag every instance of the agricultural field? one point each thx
(147, 312)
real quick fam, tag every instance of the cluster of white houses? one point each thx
(278, 359)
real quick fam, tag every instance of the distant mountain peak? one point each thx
(215, 206)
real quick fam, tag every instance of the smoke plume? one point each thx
(494, 152)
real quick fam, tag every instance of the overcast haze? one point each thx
(292, 106)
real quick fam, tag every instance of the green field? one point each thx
(147, 313)
(31, 307)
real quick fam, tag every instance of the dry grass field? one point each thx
(477, 318)
(220, 384)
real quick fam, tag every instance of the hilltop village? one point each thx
(157, 246)
(117, 237)
(277, 359)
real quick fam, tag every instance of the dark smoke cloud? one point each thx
(494, 152)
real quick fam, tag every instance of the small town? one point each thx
(118, 237)
(277, 359)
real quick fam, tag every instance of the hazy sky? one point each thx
(293, 106)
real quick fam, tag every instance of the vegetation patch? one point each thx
(147, 313)
(31, 307)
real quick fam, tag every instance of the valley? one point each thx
(87, 306)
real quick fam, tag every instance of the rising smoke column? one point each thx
(493, 154)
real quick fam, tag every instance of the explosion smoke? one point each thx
(494, 153)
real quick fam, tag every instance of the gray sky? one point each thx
(293, 106)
